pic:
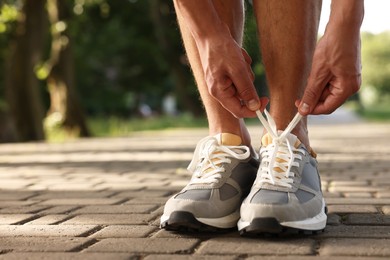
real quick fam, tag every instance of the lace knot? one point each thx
(280, 155)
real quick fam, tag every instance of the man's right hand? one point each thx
(229, 76)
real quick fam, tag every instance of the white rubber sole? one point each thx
(317, 222)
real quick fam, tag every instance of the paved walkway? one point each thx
(102, 198)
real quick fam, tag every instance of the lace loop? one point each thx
(280, 154)
(209, 157)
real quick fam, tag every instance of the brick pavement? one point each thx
(102, 198)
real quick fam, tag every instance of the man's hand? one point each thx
(336, 68)
(335, 76)
(229, 76)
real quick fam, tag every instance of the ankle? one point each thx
(302, 133)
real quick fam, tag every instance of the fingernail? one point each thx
(253, 104)
(304, 108)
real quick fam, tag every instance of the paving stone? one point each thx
(315, 257)
(356, 189)
(342, 209)
(46, 244)
(15, 195)
(345, 231)
(258, 246)
(162, 233)
(367, 219)
(109, 219)
(333, 219)
(73, 195)
(358, 195)
(23, 210)
(383, 194)
(116, 209)
(143, 194)
(10, 219)
(14, 184)
(119, 231)
(15, 203)
(67, 256)
(348, 183)
(331, 194)
(80, 201)
(59, 209)
(189, 257)
(48, 220)
(45, 230)
(145, 245)
(358, 201)
(355, 247)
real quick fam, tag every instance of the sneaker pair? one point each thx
(229, 188)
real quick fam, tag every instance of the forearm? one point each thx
(347, 14)
(201, 18)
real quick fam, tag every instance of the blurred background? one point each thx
(79, 68)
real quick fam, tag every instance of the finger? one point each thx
(329, 105)
(316, 83)
(247, 58)
(334, 96)
(251, 73)
(237, 108)
(227, 96)
(245, 89)
(325, 93)
(263, 103)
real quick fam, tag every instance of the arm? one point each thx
(226, 65)
(336, 68)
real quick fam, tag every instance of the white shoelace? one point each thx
(280, 154)
(209, 157)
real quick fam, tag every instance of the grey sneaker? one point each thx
(286, 195)
(223, 173)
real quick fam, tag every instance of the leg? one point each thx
(286, 195)
(288, 33)
(223, 172)
(220, 120)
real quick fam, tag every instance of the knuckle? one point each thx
(310, 94)
(213, 90)
(246, 94)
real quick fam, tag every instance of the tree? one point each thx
(21, 85)
(64, 100)
(376, 60)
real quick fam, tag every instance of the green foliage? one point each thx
(377, 112)
(117, 55)
(8, 14)
(251, 45)
(376, 61)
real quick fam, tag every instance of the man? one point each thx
(228, 187)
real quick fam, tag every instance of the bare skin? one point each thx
(288, 35)
(203, 49)
(336, 70)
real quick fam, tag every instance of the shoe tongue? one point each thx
(228, 139)
(292, 139)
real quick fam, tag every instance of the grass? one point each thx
(115, 126)
(380, 112)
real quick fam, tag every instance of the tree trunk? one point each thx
(61, 83)
(21, 84)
